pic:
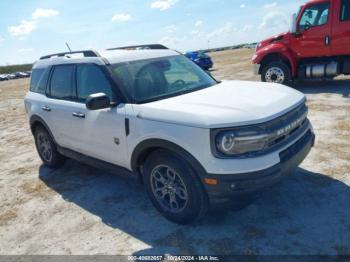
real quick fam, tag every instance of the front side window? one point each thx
(314, 15)
(62, 82)
(345, 10)
(159, 78)
(91, 80)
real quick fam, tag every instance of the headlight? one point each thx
(230, 143)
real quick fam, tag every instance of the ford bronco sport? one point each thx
(193, 141)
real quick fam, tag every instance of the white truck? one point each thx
(194, 141)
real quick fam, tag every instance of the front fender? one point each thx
(276, 49)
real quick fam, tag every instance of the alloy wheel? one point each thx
(169, 189)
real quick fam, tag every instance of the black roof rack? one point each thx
(152, 46)
(86, 53)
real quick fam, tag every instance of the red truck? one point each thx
(317, 46)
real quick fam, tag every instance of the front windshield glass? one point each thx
(155, 79)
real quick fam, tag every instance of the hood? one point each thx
(273, 39)
(228, 104)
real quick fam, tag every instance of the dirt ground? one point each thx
(81, 210)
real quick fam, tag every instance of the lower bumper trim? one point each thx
(229, 186)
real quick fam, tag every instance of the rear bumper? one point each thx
(256, 69)
(230, 186)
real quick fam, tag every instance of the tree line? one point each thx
(15, 68)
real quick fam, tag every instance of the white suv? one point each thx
(194, 141)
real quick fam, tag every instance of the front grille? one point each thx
(276, 133)
(285, 128)
(282, 131)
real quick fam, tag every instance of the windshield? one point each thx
(155, 79)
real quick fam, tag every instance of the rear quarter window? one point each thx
(38, 81)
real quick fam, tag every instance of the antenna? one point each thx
(70, 50)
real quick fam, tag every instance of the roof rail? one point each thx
(151, 46)
(86, 53)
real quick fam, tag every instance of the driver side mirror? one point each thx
(307, 27)
(98, 101)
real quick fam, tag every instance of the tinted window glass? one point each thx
(91, 80)
(345, 10)
(38, 80)
(314, 15)
(62, 82)
(158, 78)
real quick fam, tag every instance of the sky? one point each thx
(33, 28)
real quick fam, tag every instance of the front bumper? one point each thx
(230, 186)
(256, 69)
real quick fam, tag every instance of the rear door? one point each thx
(314, 25)
(60, 104)
(341, 28)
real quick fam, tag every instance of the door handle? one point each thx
(328, 40)
(46, 108)
(79, 115)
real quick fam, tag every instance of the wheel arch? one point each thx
(275, 56)
(145, 148)
(36, 121)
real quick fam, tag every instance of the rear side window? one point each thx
(38, 80)
(62, 82)
(91, 80)
(345, 10)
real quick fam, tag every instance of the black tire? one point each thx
(53, 159)
(284, 69)
(197, 200)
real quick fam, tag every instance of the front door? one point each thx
(100, 133)
(314, 27)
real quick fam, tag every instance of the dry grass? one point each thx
(36, 189)
(7, 216)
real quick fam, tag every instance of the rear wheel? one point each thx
(276, 72)
(47, 149)
(174, 188)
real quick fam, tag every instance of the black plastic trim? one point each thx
(86, 53)
(150, 46)
(100, 164)
(127, 126)
(150, 144)
(35, 119)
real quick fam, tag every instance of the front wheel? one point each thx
(174, 188)
(276, 72)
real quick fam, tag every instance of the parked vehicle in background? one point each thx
(317, 47)
(21, 75)
(16, 75)
(3, 77)
(194, 141)
(201, 59)
(11, 76)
